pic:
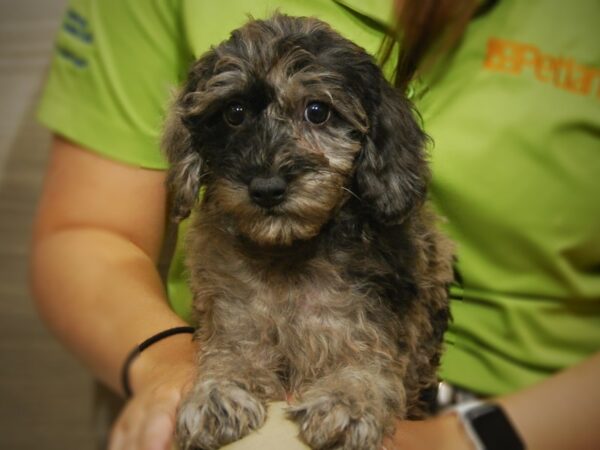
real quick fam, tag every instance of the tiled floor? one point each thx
(45, 396)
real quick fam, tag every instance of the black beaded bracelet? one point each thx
(141, 347)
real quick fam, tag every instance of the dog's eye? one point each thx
(317, 112)
(234, 114)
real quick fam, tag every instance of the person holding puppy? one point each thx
(514, 118)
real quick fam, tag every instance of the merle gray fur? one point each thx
(315, 266)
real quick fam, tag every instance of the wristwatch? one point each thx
(488, 427)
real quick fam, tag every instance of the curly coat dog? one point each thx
(316, 270)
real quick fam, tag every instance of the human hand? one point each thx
(444, 432)
(159, 381)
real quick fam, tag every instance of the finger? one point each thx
(125, 429)
(157, 432)
(115, 441)
(122, 439)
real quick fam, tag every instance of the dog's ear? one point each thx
(178, 143)
(392, 172)
(185, 166)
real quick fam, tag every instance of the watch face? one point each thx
(493, 428)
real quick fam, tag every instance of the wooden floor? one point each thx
(45, 396)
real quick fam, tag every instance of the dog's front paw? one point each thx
(215, 414)
(336, 422)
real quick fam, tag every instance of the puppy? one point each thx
(316, 271)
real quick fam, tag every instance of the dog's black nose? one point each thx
(267, 192)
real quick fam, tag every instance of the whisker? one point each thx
(351, 193)
(204, 175)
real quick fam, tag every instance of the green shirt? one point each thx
(515, 121)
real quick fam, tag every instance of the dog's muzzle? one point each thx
(267, 192)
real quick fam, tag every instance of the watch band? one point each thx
(488, 426)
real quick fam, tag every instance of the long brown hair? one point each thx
(425, 31)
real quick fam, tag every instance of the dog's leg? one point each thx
(228, 401)
(349, 409)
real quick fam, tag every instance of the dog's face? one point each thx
(283, 124)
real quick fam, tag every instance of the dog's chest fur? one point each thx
(297, 302)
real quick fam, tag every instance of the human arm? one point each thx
(97, 238)
(558, 413)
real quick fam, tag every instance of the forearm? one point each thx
(102, 295)
(561, 412)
